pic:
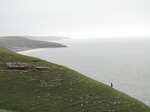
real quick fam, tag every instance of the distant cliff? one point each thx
(18, 43)
(46, 38)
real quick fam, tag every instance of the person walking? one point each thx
(111, 84)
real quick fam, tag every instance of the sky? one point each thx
(75, 18)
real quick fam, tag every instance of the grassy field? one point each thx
(57, 89)
(5, 110)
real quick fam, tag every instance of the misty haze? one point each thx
(74, 56)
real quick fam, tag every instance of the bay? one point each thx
(123, 61)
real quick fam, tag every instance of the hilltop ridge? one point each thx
(47, 38)
(18, 43)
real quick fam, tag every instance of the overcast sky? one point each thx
(75, 18)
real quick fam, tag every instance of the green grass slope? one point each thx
(5, 110)
(17, 43)
(57, 89)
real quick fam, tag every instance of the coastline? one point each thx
(28, 50)
(17, 44)
(21, 49)
(67, 82)
(124, 74)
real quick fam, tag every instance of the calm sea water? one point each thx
(124, 62)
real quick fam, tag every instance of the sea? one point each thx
(124, 62)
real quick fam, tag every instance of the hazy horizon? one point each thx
(75, 18)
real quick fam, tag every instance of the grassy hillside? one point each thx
(17, 43)
(56, 89)
(5, 110)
